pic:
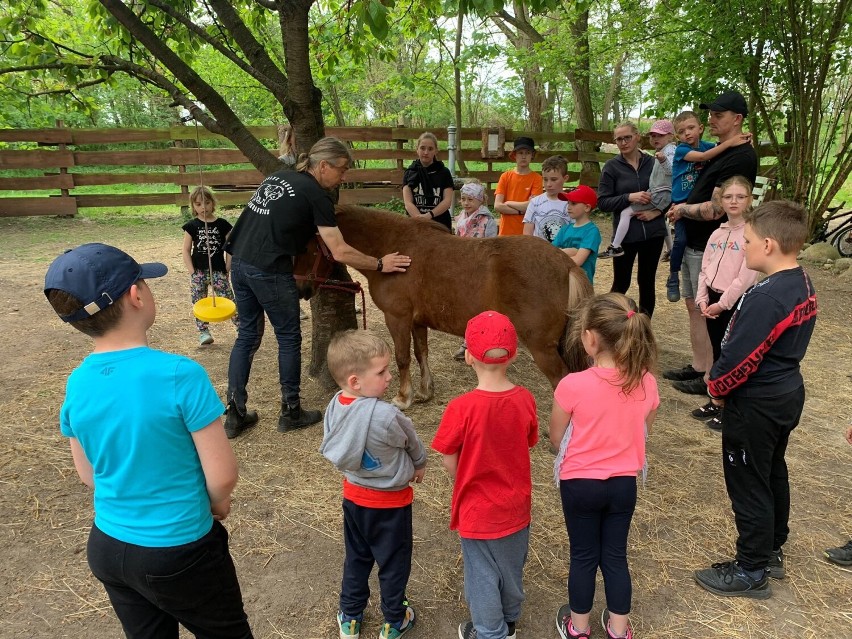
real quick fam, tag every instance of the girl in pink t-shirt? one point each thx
(600, 419)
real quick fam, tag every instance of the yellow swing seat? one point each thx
(214, 309)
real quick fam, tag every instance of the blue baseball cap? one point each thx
(97, 275)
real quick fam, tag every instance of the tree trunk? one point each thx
(303, 102)
(612, 91)
(336, 108)
(578, 76)
(458, 88)
(331, 311)
(539, 103)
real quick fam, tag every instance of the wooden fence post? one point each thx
(184, 188)
(63, 170)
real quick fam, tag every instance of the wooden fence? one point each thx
(59, 160)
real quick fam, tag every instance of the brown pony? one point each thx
(451, 279)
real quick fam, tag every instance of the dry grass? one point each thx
(285, 528)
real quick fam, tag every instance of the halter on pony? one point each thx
(320, 270)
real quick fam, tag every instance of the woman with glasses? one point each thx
(624, 181)
(285, 212)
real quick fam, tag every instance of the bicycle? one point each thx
(839, 234)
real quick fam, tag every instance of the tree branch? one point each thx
(213, 42)
(231, 125)
(521, 25)
(273, 78)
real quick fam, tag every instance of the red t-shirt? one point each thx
(608, 439)
(492, 434)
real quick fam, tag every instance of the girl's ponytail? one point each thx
(625, 333)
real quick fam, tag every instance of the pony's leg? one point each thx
(549, 362)
(421, 354)
(400, 330)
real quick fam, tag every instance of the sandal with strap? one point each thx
(707, 411)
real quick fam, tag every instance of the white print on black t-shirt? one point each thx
(425, 202)
(208, 236)
(269, 192)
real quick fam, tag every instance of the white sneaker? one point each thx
(205, 338)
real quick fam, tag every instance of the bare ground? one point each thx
(285, 527)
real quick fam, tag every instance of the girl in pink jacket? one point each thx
(724, 276)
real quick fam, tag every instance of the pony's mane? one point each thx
(386, 218)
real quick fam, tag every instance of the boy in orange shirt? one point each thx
(516, 187)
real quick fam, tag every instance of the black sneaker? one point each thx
(775, 567)
(467, 631)
(841, 556)
(728, 579)
(681, 374)
(715, 423)
(235, 423)
(510, 633)
(611, 251)
(295, 417)
(691, 386)
(707, 411)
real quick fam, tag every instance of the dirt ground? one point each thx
(285, 526)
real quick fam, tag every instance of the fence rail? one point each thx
(71, 163)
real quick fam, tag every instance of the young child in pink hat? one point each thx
(660, 184)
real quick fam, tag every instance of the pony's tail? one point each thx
(579, 290)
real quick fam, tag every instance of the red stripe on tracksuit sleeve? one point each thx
(738, 375)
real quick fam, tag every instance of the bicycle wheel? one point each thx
(841, 244)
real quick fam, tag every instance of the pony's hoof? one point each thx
(423, 397)
(401, 403)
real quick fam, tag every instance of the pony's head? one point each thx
(312, 268)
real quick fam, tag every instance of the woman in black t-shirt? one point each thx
(288, 209)
(428, 185)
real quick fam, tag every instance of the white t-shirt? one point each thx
(547, 215)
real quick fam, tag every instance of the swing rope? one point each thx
(228, 311)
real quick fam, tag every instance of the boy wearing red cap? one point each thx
(484, 437)
(582, 239)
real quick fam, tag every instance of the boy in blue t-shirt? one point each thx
(689, 159)
(582, 239)
(146, 434)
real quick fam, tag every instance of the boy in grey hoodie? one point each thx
(375, 446)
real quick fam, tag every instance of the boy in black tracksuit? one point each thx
(758, 377)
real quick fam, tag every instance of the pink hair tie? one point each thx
(630, 314)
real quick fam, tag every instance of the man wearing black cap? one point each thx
(703, 214)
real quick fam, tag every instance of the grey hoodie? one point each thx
(372, 442)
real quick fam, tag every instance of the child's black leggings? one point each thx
(597, 514)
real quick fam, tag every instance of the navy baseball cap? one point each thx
(97, 275)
